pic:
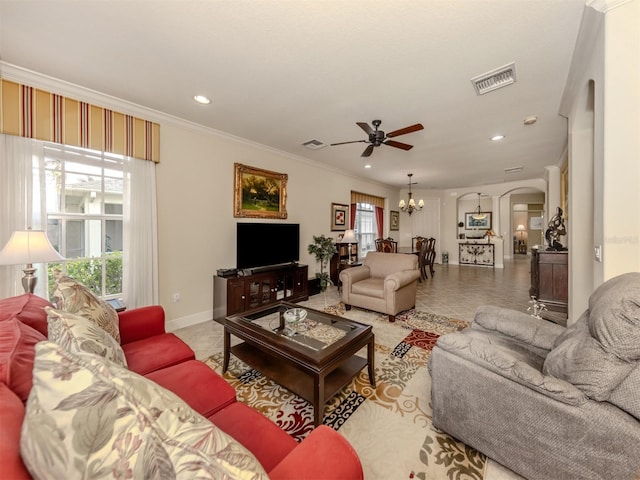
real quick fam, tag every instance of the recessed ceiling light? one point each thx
(202, 99)
(497, 138)
(367, 165)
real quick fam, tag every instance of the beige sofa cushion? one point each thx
(71, 296)
(77, 334)
(383, 264)
(371, 287)
(87, 417)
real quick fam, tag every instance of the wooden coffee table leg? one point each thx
(227, 352)
(318, 401)
(371, 349)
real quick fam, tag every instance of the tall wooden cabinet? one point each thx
(550, 278)
(236, 294)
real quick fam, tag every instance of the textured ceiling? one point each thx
(281, 73)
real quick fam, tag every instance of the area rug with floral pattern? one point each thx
(389, 425)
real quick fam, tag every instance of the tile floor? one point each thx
(454, 291)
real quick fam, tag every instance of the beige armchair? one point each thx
(385, 283)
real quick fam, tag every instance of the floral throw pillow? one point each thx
(77, 334)
(90, 418)
(73, 297)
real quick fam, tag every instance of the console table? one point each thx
(239, 293)
(550, 278)
(470, 253)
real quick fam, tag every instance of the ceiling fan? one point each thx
(378, 137)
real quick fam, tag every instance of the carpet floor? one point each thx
(389, 425)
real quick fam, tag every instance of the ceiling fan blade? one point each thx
(405, 130)
(403, 146)
(344, 143)
(365, 127)
(367, 151)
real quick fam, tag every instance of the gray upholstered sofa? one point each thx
(545, 401)
(385, 283)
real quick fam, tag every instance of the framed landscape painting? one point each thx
(471, 223)
(339, 217)
(259, 193)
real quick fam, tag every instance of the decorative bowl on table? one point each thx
(293, 317)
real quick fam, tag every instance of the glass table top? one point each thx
(317, 330)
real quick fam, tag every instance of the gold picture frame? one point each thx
(339, 217)
(394, 220)
(259, 193)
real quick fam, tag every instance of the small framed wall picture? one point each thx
(477, 221)
(394, 220)
(339, 217)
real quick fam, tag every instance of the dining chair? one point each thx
(427, 257)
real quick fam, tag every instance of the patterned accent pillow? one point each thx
(90, 418)
(73, 297)
(77, 334)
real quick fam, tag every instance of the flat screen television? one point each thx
(266, 244)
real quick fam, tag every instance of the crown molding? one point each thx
(604, 6)
(25, 76)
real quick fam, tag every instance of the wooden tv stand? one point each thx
(239, 293)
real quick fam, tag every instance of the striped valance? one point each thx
(357, 197)
(33, 113)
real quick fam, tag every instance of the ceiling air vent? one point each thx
(513, 170)
(314, 144)
(498, 78)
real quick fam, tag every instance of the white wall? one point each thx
(602, 102)
(196, 227)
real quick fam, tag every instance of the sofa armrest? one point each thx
(352, 275)
(140, 323)
(325, 453)
(520, 326)
(397, 280)
(497, 360)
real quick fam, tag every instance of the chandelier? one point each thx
(411, 205)
(477, 214)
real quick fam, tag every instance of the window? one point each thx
(84, 197)
(365, 228)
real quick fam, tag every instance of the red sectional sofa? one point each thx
(165, 359)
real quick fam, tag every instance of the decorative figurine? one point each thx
(536, 307)
(555, 231)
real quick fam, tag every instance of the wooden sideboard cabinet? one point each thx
(550, 279)
(236, 294)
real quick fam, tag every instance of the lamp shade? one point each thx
(28, 246)
(520, 228)
(349, 237)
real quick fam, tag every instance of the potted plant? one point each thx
(323, 248)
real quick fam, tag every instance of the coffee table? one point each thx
(315, 361)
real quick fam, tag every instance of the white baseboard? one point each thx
(178, 323)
